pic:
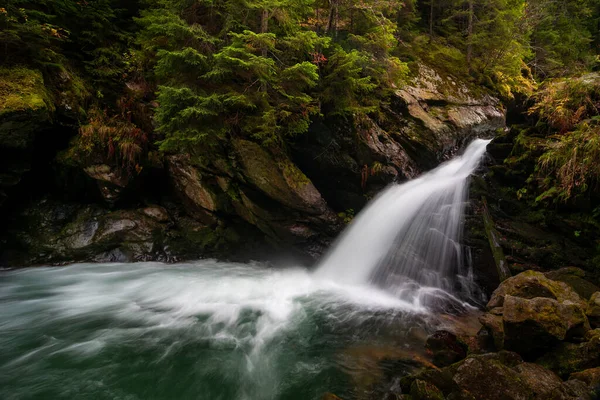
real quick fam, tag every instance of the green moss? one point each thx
(22, 90)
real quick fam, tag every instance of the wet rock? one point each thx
(575, 278)
(567, 358)
(541, 380)
(157, 213)
(495, 327)
(590, 376)
(189, 184)
(330, 396)
(422, 390)
(67, 233)
(111, 181)
(571, 390)
(490, 377)
(531, 284)
(446, 348)
(593, 310)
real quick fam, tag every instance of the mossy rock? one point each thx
(531, 284)
(575, 278)
(568, 358)
(593, 310)
(279, 179)
(24, 106)
(422, 390)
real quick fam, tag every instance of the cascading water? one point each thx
(410, 235)
(223, 331)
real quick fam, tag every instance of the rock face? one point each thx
(288, 197)
(24, 110)
(425, 122)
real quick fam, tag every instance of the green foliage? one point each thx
(105, 139)
(568, 166)
(561, 35)
(264, 77)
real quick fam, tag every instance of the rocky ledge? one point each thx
(246, 195)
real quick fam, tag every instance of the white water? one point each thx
(409, 237)
(202, 330)
(223, 331)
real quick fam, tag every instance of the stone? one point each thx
(330, 396)
(542, 381)
(590, 376)
(531, 325)
(572, 390)
(531, 284)
(279, 179)
(446, 348)
(567, 358)
(574, 277)
(494, 326)
(157, 213)
(189, 184)
(421, 390)
(491, 377)
(111, 181)
(593, 310)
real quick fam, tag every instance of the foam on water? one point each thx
(242, 320)
(225, 331)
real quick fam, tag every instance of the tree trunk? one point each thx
(430, 18)
(333, 15)
(470, 35)
(264, 27)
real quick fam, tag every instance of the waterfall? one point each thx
(409, 237)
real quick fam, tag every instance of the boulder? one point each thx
(188, 183)
(593, 310)
(495, 376)
(568, 358)
(446, 348)
(492, 378)
(422, 390)
(279, 179)
(572, 390)
(492, 323)
(111, 181)
(330, 396)
(531, 284)
(541, 380)
(590, 376)
(531, 326)
(574, 277)
(25, 109)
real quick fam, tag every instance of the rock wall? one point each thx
(293, 199)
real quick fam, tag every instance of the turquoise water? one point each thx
(203, 330)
